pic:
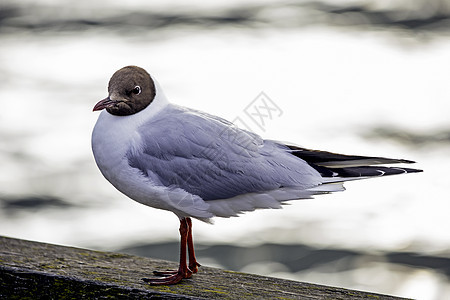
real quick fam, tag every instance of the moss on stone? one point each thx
(30, 270)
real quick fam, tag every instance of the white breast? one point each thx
(113, 137)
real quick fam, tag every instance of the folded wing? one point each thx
(336, 167)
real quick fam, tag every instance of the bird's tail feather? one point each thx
(339, 167)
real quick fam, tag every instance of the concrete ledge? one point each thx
(32, 270)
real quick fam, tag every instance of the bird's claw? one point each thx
(172, 279)
(170, 276)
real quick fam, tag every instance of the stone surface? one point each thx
(32, 270)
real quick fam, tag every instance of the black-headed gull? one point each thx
(201, 166)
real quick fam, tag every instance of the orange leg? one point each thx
(173, 277)
(193, 264)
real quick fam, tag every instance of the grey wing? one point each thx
(209, 157)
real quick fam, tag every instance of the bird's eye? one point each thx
(137, 90)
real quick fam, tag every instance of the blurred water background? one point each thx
(357, 77)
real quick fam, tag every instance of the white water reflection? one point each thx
(334, 87)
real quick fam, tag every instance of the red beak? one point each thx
(103, 104)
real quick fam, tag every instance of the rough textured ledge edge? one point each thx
(38, 270)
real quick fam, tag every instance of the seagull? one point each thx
(201, 166)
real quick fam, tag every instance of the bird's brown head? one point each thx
(130, 89)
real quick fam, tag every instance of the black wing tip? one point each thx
(409, 170)
(363, 171)
(330, 164)
(406, 161)
(324, 157)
